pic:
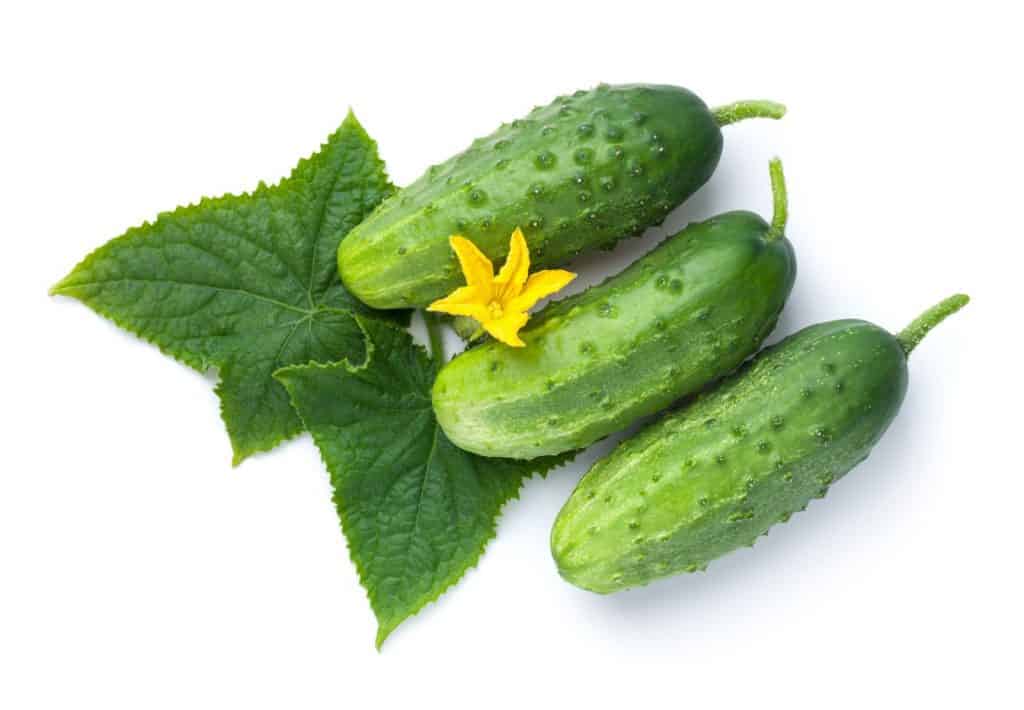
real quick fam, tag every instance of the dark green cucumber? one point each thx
(578, 174)
(686, 313)
(721, 471)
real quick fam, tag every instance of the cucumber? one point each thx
(724, 469)
(686, 313)
(580, 173)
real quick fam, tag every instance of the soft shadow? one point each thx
(785, 551)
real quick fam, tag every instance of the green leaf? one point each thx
(247, 283)
(417, 511)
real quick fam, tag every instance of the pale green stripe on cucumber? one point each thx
(575, 175)
(720, 472)
(687, 313)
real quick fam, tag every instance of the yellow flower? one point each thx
(499, 304)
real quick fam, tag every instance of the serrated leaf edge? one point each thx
(385, 630)
(239, 456)
(201, 364)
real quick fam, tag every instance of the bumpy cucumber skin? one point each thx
(715, 475)
(687, 313)
(578, 174)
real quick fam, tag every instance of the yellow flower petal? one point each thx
(513, 274)
(541, 285)
(507, 327)
(476, 267)
(466, 301)
(499, 304)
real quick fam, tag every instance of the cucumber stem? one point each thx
(436, 338)
(780, 204)
(742, 110)
(914, 333)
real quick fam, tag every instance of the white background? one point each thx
(139, 570)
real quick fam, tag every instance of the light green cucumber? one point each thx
(721, 471)
(575, 175)
(679, 317)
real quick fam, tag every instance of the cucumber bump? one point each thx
(575, 175)
(718, 473)
(686, 313)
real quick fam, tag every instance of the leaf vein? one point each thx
(172, 282)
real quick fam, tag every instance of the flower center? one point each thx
(495, 309)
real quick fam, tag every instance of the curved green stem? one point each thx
(780, 204)
(914, 333)
(436, 338)
(742, 110)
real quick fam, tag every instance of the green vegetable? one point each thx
(246, 283)
(721, 471)
(416, 511)
(687, 313)
(580, 173)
